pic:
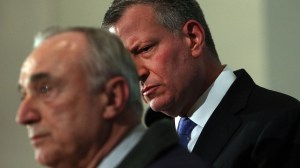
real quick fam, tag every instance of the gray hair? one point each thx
(107, 58)
(172, 14)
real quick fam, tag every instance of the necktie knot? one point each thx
(184, 130)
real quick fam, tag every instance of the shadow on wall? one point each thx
(283, 45)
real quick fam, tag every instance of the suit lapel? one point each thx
(223, 123)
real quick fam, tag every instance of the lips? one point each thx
(37, 135)
(39, 139)
(148, 90)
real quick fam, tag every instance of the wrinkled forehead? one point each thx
(55, 55)
(136, 25)
(135, 15)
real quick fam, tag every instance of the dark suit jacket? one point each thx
(159, 148)
(251, 127)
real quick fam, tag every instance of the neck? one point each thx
(118, 132)
(208, 71)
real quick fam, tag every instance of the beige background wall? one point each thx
(260, 36)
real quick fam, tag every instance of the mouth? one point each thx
(38, 138)
(148, 90)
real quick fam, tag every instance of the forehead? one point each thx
(138, 23)
(135, 15)
(56, 55)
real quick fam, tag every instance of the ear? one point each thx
(117, 91)
(195, 36)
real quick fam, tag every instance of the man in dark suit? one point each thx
(251, 127)
(181, 76)
(81, 106)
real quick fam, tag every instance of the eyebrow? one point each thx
(35, 78)
(38, 77)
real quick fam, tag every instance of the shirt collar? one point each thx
(210, 99)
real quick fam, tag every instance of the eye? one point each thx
(145, 49)
(44, 89)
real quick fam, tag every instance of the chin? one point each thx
(156, 106)
(46, 158)
(162, 106)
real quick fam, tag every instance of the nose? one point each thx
(27, 112)
(143, 74)
(143, 71)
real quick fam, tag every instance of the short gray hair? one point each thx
(107, 58)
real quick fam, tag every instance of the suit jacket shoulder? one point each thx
(232, 133)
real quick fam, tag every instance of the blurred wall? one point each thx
(282, 45)
(260, 36)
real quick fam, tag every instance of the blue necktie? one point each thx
(184, 130)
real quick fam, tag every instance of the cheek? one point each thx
(169, 63)
(65, 115)
(71, 124)
(175, 69)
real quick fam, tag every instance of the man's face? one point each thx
(62, 116)
(162, 58)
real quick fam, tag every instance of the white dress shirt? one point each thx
(121, 150)
(207, 103)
